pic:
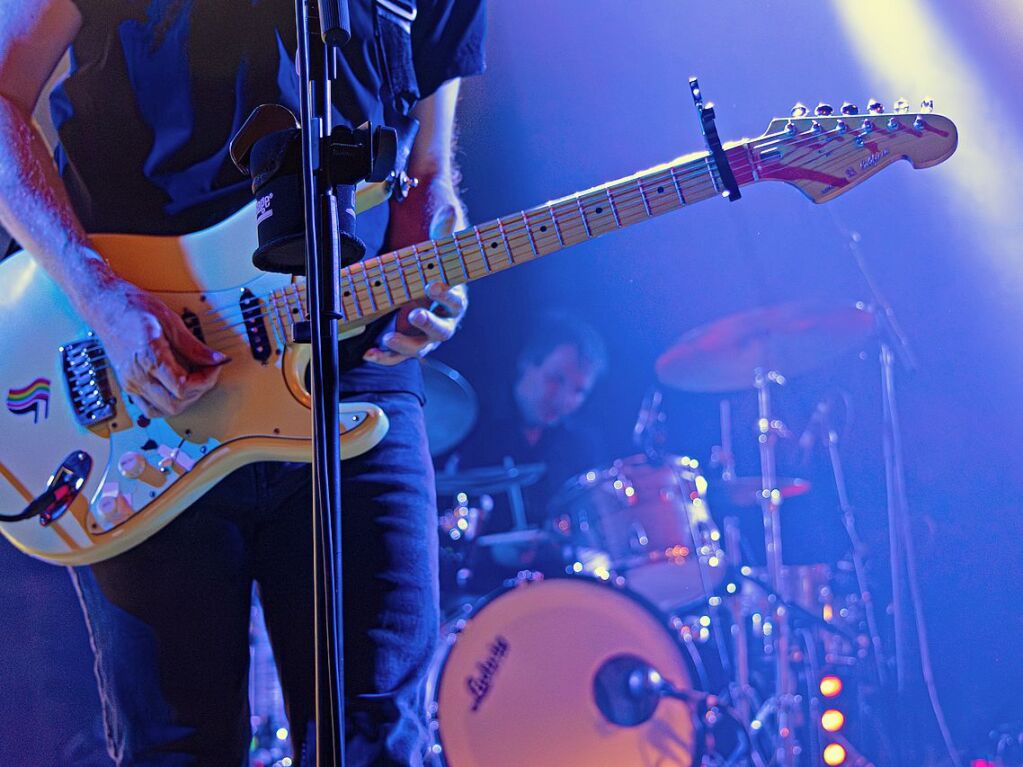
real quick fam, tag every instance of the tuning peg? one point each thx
(824, 110)
(875, 107)
(850, 109)
(900, 107)
(927, 105)
(800, 110)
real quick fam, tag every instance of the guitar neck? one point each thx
(376, 286)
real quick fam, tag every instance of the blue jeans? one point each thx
(169, 619)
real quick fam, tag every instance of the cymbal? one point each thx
(489, 479)
(451, 406)
(790, 339)
(745, 491)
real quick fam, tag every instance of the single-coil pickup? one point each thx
(255, 325)
(86, 373)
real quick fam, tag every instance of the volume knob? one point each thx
(131, 465)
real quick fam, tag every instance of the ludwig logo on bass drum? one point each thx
(480, 684)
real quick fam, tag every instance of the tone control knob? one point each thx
(132, 464)
(112, 507)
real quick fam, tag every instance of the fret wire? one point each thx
(529, 233)
(678, 187)
(461, 257)
(642, 194)
(507, 245)
(401, 276)
(369, 287)
(711, 169)
(419, 265)
(483, 250)
(611, 202)
(353, 293)
(384, 278)
(554, 220)
(582, 212)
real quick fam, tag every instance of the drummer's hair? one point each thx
(558, 328)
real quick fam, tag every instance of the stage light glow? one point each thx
(834, 755)
(832, 720)
(899, 63)
(830, 686)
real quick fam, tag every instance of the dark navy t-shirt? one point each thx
(157, 89)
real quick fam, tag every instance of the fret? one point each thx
(506, 243)
(419, 266)
(678, 187)
(461, 256)
(436, 266)
(611, 202)
(586, 224)
(712, 170)
(529, 233)
(483, 250)
(350, 292)
(401, 274)
(642, 194)
(557, 229)
(384, 279)
(274, 300)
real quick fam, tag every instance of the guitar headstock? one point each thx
(824, 154)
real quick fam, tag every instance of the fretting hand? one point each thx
(422, 326)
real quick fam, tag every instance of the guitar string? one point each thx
(514, 235)
(628, 203)
(397, 265)
(699, 170)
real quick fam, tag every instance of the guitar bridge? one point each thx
(85, 372)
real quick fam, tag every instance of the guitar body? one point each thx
(145, 472)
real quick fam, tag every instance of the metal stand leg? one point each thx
(770, 504)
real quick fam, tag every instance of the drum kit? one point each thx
(652, 641)
(644, 636)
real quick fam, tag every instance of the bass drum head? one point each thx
(515, 685)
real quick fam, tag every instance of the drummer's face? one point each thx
(554, 388)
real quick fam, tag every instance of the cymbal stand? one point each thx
(767, 431)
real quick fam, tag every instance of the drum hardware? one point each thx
(745, 492)
(756, 347)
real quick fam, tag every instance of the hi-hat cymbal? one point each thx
(451, 406)
(489, 479)
(790, 339)
(746, 491)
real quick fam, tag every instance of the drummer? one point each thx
(532, 421)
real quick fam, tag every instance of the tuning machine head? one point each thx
(927, 106)
(849, 109)
(875, 107)
(824, 110)
(800, 110)
(900, 107)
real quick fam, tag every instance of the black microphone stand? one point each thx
(329, 198)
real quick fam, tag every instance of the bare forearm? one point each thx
(35, 209)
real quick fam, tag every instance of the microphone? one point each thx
(815, 424)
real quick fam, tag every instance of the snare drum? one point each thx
(647, 522)
(531, 677)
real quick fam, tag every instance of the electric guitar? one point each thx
(84, 475)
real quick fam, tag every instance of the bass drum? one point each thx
(538, 673)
